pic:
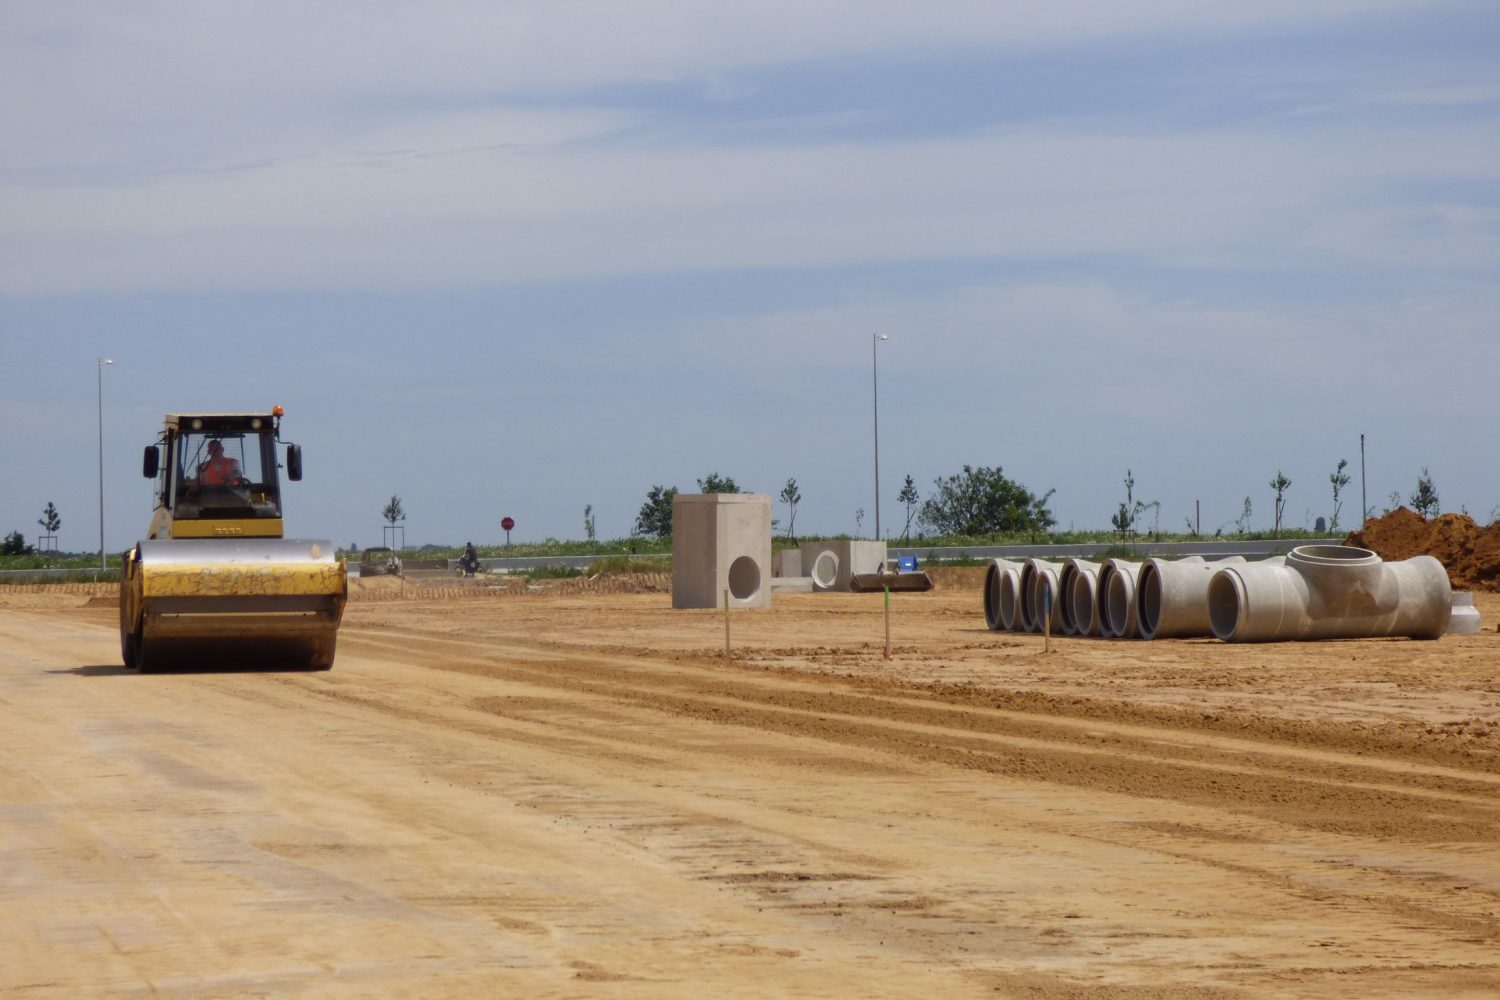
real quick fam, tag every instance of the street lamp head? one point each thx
(881, 336)
(106, 361)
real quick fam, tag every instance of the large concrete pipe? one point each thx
(1330, 592)
(1071, 570)
(1115, 592)
(1172, 596)
(993, 577)
(1031, 594)
(1083, 602)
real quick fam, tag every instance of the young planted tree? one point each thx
(50, 521)
(791, 496)
(588, 523)
(1339, 479)
(1243, 522)
(394, 511)
(908, 496)
(1280, 485)
(655, 516)
(1124, 518)
(393, 514)
(859, 521)
(1425, 500)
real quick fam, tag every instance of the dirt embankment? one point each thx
(1471, 554)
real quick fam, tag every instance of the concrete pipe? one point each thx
(1071, 570)
(1172, 596)
(1115, 592)
(1330, 592)
(1030, 593)
(1010, 601)
(1083, 602)
(993, 578)
(1044, 603)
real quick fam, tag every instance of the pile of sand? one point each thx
(1471, 554)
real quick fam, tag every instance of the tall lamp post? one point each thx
(99, 367)
(875, 383)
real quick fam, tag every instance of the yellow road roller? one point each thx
(215, 584)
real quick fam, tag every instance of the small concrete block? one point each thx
(1465, 617)
(833, 564)
(787, 563)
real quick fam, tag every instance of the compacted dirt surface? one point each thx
(576, 793)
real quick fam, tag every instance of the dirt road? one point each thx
(578, 797)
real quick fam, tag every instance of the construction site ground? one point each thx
(573, 792)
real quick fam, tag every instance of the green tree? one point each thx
(984, 502)
(655, 517)
(1339, 479)
(1243, 522)
(588, 523)
(394, 511)
(15, 545)
(1280, 485)
(50, 520)
(791, 496)
(716, 483)
(908, 496)
(1425, 500)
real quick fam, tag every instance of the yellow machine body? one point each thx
(215, 584)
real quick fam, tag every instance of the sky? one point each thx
(515, 258)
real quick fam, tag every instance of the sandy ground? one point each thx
(580, 795)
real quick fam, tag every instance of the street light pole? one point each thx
(875, 382)
(99, 369)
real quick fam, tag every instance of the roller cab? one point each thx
(215, 584)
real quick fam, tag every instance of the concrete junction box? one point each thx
(832, 564)
(721, 541)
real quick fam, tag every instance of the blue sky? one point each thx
(515, 258)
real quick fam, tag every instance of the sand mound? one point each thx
(1471, 554)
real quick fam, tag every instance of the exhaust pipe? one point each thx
(1000, 574)
(1330, 592)
(1115, 593)
(1172, 596)
(1072, 571)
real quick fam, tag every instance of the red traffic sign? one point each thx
(507, 523)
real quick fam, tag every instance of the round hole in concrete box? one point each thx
(825, 569)
(744, 578)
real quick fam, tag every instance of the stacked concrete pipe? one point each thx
(1030, 588)
(1115, 591)
(1075, 572)
(1330, 592)
(1001, 582)
(1172, 596)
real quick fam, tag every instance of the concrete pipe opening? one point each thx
(1084, 602)
(825, 570)
(1072, 569)
(1148, 594)
(994, 576)
(744, 578)
(1172, 596)
(1226, 595)
(1115, 593)
(1010, 601)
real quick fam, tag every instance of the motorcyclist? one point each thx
(470, 561)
